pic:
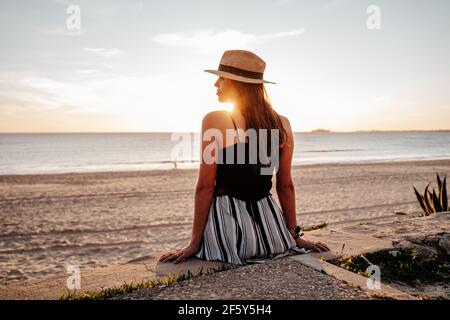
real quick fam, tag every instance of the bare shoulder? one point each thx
(285, 122)
(214, 118)
(215, 121)
(287, 126)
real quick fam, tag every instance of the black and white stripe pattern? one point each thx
(244, 232)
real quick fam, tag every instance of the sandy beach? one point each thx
(50, 221)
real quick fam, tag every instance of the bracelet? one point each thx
(301, 234)
(296, 229)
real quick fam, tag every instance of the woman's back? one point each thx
(236, 175)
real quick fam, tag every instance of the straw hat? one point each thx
(241, 65)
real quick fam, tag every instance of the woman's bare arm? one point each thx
(204, 193)
(204, 190)
(286, 190)
(284, 185)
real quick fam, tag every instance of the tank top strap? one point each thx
(234, 124)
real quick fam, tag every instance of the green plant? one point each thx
(407, 265)
(436, 201)
(152, 283)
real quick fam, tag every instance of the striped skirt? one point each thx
(245, 232)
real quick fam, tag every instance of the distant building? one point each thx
(320, 130)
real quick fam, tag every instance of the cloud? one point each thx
(104, 52)
(34, 92)
(91, 91)
(207, 41)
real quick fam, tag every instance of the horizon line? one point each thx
(134, 132)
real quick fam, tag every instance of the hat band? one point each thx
(241, 72)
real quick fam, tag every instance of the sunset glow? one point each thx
(130, 68)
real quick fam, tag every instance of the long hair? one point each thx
(258, 112)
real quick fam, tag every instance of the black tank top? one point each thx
(241, 180)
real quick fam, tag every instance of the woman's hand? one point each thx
(180, 255)
(316, 246)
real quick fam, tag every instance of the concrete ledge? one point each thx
(347, 244)
(94, 280)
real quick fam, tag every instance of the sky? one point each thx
(137, 66)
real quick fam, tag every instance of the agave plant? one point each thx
(435, 201)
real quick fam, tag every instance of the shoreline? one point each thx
(294, 166)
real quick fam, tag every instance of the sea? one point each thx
(37, 153)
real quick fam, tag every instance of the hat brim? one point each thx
(232, 76)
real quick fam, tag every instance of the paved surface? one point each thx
(284, 279)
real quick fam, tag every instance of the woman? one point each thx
(236, 220)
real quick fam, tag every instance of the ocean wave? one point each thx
(74, 247)
(14, 234)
